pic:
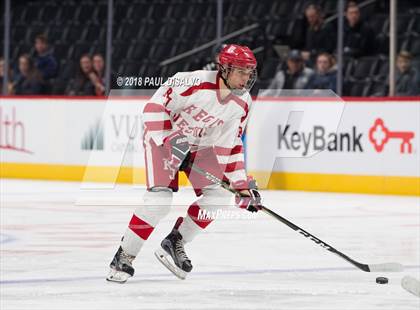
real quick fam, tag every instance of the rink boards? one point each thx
(320, 144)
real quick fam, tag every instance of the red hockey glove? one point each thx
(179, 152)
(249, 197)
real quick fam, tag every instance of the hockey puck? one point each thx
(381, 280)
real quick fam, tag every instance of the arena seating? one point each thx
(147, 32)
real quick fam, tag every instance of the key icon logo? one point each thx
(379, 135)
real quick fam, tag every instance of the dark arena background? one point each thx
(147, 36)
(331, 138)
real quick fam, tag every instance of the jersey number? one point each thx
(167, 96)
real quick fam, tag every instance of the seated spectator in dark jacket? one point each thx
(9, 88)
(358, 35)
(325, 76)
(407, 78)
(44, 59)
(29, 80)
(99, 68)
(319, 37)
(295, 76)
(84, 83)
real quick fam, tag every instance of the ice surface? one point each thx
(57, 241)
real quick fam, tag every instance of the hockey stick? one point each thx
(386, 267)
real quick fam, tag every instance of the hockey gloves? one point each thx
(179, 152)
(248, 197)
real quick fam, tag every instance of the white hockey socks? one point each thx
(156, 206)
(201, 213)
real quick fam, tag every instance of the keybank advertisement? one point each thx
(368, 138)
(359, 138)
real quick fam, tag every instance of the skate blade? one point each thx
(117, 276)
(162, 256)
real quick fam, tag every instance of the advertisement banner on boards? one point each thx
(371, 138)
(72, 132)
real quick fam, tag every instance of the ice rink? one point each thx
(57, 241)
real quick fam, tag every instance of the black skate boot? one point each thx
(121, 267)
(173, 246)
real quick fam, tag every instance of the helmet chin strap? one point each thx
(225, 80)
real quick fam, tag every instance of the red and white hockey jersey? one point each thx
(196, 108)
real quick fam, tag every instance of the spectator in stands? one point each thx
(407, 78)
(325, 76)
(45, 60)
(295, 76)
(10, 84)
(99, 68)
(84, 83)
(358, 35)
(29, 80)
(319, 36)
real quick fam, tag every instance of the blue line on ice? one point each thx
(208, 273)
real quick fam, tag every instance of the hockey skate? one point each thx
(121, 267)
(172, 254)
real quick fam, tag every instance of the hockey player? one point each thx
(184, 125)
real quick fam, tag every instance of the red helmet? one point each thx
(237, 56)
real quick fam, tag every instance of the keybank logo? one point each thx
(93, 139)
(379, 135)
(318, 140)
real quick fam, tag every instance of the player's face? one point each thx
(239, 77)
(40, 46)
(353, 15)
(23, 65)
(98, 63)
(403, 64)
(86, 64)
(322, 64)
(311, 16)
(294, 65)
